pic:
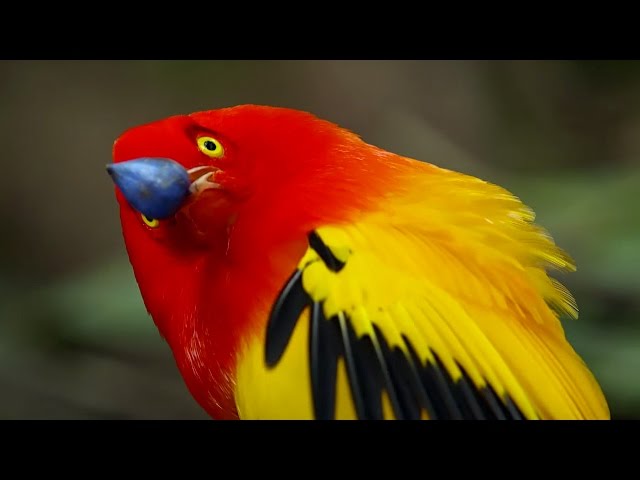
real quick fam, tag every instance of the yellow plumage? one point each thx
(448, 279)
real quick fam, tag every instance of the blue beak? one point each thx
(156, 187)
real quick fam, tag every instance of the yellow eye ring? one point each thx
(150, 222)
(210, 147)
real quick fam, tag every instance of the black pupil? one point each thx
(209, 145)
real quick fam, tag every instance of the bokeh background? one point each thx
(75, 340)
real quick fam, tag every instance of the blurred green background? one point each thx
(75, 340)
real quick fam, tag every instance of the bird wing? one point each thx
(407, 315)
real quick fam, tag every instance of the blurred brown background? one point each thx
(75, 341)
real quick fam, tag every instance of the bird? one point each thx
(297, 272)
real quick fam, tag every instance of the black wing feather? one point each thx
(285, 314)
(325, 349)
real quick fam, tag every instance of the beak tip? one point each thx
(156, 187)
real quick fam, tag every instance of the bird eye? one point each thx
(150, 222)
(210, 147)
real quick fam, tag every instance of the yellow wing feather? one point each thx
(448, 282)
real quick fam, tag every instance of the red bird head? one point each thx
(187, 182)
